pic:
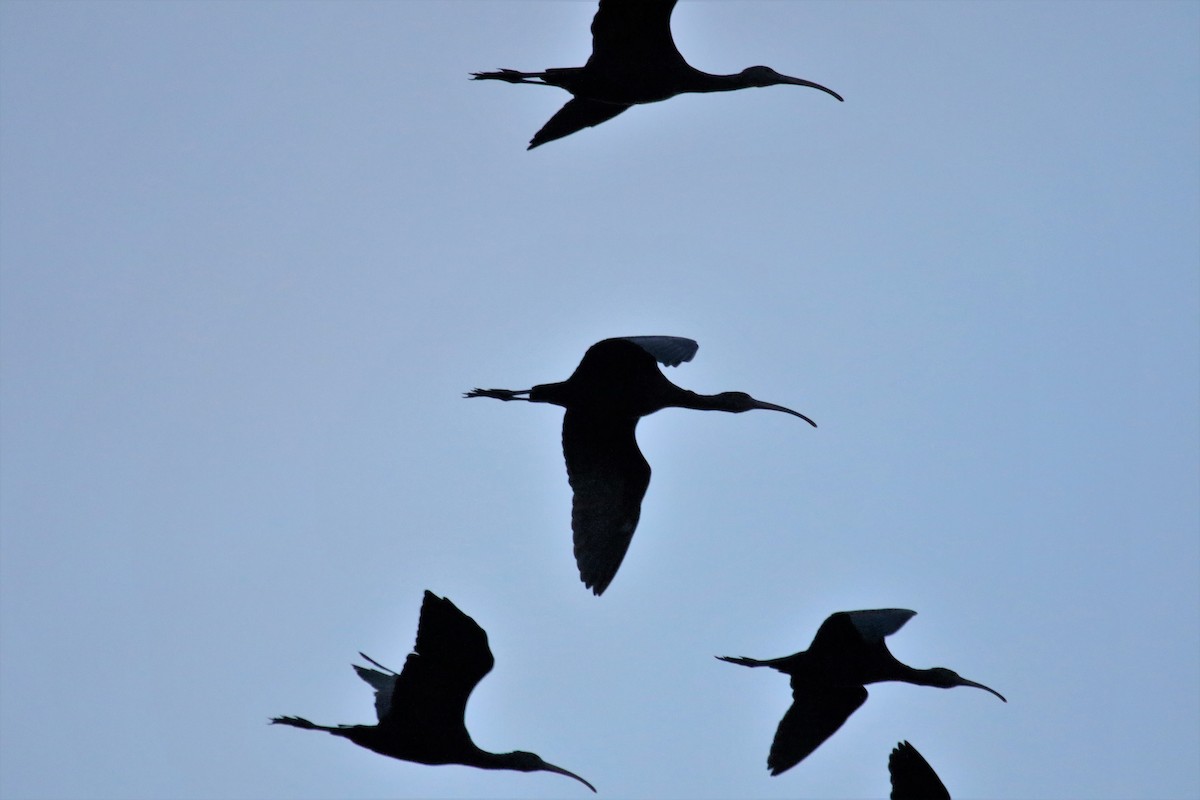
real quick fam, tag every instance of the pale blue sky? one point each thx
(253, 252)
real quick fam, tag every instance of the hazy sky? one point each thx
(253, 253)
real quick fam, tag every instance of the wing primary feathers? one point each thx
(670, 351)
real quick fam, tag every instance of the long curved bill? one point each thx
(965, 682)
(568, 773)
(801, 82)
(773, 407)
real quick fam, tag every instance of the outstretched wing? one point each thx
(912, 777)
(816, 713)
(634, 35)
(450, 658)
(576, 115)
(608, 476)
(670, 351)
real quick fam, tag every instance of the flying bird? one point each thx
(912, 777)
(421, 708)
(616, 384)
(634, 60)
(828, 679)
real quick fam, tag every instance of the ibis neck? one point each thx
(486, 760)
(708, 82)
(920, 677)
(701, 402)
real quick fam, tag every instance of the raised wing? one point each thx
(608, 476)
(912, 777)
(817, 712)
(576, 115)
(450, 658)
(873, 626)
(670, 351)
(634, 35)
(384, 684)
(848, 631)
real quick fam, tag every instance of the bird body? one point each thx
(421, 709)
(912, 777)
(616, 384)
(634, 61)
(828, 679)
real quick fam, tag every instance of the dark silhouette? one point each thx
(634, 60)
(912, 777)
(421, 709)
(615, 385)
(847, 653)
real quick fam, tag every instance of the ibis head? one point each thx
(765, 76)
(522, 761)
(944, 678)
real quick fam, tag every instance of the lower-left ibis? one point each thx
(421, 708)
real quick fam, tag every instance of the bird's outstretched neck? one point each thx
(751, 77)
(733, 402)
(943, 678)
(521, 761)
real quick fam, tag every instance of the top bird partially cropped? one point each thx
(634, 60)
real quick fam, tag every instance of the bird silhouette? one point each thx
(634, 60)
(828, 679)
(912, 777)
(616, 384)
(421, 708)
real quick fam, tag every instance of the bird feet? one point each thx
(509, 75)
(498, 394)
(295, 722)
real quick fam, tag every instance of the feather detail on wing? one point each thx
(670, 351)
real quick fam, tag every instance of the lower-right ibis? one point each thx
(828, 679)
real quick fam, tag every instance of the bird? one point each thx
(421, 708)
(912, 777)
(616, 384)
(828, 679)
(634, 60)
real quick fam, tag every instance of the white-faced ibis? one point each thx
(421, 709)
(634, 60)
(912, 777)
(616, 384)
(828, 679)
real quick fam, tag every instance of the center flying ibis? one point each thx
(634, 60)
(421, 708)
(616, 384)
(912, 777)
(828, 679)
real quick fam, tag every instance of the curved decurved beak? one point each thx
(965, 682)
(773, 407)
(801, 82)
(568, 773)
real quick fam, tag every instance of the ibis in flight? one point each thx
(912, 777)
(616, 384)
(828, 679)
(421, 708)
(634, 60)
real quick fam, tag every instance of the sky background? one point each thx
(254, 252)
